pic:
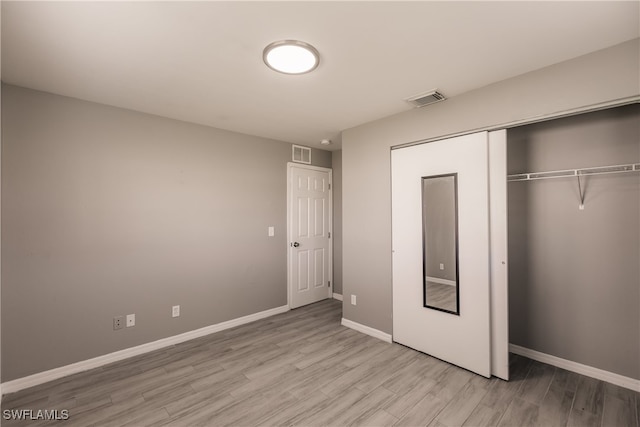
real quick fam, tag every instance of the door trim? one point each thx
(290, 166)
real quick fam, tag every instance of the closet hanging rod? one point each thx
(632, 167)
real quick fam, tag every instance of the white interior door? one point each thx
(462, 339)
(309, 224)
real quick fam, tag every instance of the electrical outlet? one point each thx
(353, 300)
(441, 266)
(131, 320)
(118, 322)
(175, 311)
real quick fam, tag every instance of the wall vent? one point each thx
(426, 98)
(301, 154)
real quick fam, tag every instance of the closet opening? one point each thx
(574, 239)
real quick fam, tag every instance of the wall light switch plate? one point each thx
(353, 300)
(271, 231)
(175, 311)
(131, 320)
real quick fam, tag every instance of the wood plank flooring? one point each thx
(304, 368)
(442, 296)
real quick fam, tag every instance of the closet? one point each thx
(574, 238)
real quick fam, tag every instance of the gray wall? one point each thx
(439, 227)
(602, 76)
(574, 276)
(109, 212)
(0, 211)
(321, 158)
(337, 221)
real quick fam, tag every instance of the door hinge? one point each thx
(329, 283)
(329, 186)
(329, 234)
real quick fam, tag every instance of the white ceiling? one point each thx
(202, 61)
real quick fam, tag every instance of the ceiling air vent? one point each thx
(426, 98)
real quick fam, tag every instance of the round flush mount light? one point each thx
(325, 142)
(291, 57)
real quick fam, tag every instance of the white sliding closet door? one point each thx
(498, 252)
(461, 336)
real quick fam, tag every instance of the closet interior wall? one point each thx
(574, 279)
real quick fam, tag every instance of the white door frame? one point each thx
(291, 165)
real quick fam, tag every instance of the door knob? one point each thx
(296, 244)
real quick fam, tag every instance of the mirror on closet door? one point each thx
(440, 242)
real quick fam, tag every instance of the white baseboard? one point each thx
(441, 281)
(337, 296)
(366, 330)
(63, 371)
(578, 368)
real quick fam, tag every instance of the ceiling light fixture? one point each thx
(325, 142)
(291, 57)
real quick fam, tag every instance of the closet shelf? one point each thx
(632, 167)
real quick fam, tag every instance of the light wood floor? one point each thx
(442, 296)
(303, 368)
